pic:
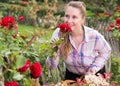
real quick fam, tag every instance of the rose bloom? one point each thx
(7, 21)
(111, 25)
(35, 70)
(118, 21)
(64, 28)
(118, 9)
(25, 67)
(21, 18)
(12, 83)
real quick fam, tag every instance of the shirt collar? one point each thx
(86, 31)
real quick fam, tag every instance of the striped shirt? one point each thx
(93, 52)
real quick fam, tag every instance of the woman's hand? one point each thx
(55, 39)
(92, 70)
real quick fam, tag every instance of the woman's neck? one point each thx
(78, 32)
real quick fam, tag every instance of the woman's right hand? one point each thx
(55, 39)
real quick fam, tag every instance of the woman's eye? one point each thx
(66, 16)
(74, 17)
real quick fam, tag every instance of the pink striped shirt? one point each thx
(93, 52)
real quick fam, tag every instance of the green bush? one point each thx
(6, 1)
(59, 12)
(115, 70)
(42, 12)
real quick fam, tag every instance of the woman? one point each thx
(86, 51)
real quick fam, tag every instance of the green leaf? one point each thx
(20, 61)
(1, 60)
(28, 82)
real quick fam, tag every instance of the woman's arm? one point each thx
(55, 35)
(104, 50)
(52, 62)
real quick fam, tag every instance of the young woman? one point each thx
(86, 51)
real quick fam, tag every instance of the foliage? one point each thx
(107, 18)
(40, 16)
(29, 45)
(24, 8)
(15, 49)
(115, 69)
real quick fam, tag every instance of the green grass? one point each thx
(26, 30)
(29, 31)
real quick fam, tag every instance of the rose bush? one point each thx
(18, 67)
(111, 21)
(115, 28)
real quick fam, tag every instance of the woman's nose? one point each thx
(69, 20)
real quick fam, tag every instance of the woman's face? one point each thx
(73, 18)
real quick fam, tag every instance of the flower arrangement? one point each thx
(89, 80)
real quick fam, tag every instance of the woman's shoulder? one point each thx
(91, 31)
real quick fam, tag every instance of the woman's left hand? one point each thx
(92, 70)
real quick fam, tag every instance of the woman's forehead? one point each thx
(72, 10)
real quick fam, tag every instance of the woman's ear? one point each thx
(84, 20)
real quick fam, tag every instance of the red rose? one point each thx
(15, 35)
(110, 15)
(64, 28)
(106, 13)
(118, 27)
(25, 67)
(35, 70)
(109, 29)
(98, 15)
(21, 18)
(7, 21)
(118, 21)
(111, 25)
(13, 83)
(118, 9)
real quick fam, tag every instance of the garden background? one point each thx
(40, 18)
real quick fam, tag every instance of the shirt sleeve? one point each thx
(56, 33)
(104, 50)
(52, 62)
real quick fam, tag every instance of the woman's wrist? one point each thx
(92, 70)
